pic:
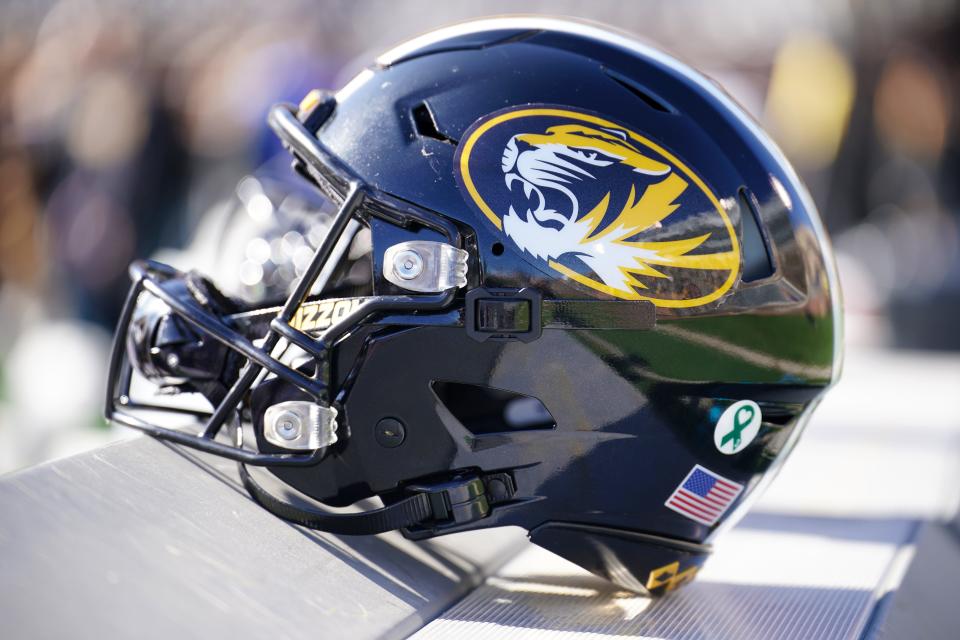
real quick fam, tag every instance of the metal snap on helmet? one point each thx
(602, 306)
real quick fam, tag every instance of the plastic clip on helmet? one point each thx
(602, 306)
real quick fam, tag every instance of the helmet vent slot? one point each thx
(484, 410)
(757, 261)
(426, 124)
(779, 415)
(652, 101)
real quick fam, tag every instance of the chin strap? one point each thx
(431, 507)
(405, 513)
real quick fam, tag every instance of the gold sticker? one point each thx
(669, 577)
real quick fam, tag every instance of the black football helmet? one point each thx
(601, 306)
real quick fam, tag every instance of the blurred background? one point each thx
(134, 129)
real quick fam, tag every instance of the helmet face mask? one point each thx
(601, 307)
(170, 288)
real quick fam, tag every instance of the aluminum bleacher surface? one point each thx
(856, 538)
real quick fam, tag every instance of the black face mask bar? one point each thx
(357, 200)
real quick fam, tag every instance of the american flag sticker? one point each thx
(703, 496)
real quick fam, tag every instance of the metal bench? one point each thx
(855, 539)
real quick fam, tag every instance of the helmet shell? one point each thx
(632, 413)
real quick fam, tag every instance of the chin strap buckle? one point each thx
(503, 314)
(464, 498)
(457, 501)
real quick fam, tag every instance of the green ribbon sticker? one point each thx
(737, 427)
(741, 420)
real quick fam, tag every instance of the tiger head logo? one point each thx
(599, 204)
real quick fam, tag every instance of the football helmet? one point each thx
(600, 306)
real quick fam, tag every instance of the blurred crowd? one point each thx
(126, 126)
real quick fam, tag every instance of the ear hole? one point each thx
(497, 249)
(484, 410)
(426, 124)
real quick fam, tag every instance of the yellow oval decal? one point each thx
(590, 199)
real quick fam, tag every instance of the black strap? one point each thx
(639, 315)
(404, 513)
